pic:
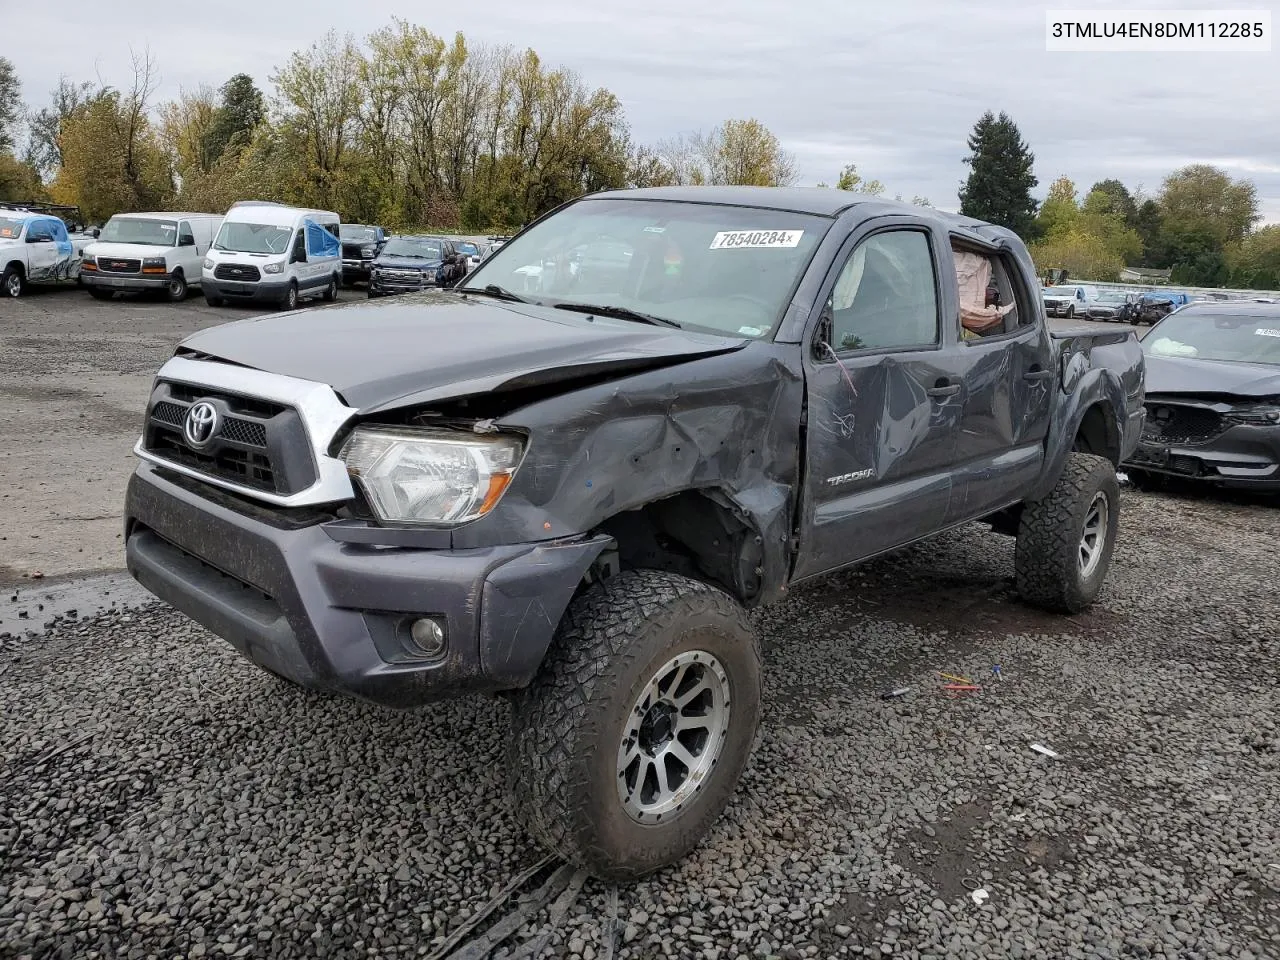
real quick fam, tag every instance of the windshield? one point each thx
(1060, 292)
(1208, 336)
(253, 238)
(1111, 297)
(355, 231)
(158, 233)
(470, 249)
(10, 228)
(720, 268)
(420, 249)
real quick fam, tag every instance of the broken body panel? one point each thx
(753, 462)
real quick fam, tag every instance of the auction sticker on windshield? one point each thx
(734, 239)
(1266, 332)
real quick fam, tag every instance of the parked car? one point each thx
(574, 501)
(1155, 305)
(408, 264)
(271, 253)
(1110, 305)
(471, 251)
(360, 245)
(37, 248)
(149, 251)
(1069, 300)
(1213, 397)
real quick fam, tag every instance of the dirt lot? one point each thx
(161, 797)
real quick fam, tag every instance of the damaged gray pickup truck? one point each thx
(567, 479)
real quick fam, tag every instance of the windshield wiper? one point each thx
(494, 290)
(621, 313)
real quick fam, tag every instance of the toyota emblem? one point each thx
(201, 423)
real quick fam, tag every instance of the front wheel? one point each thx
(629, 743)
(290, 301)
(12, 282)
(176, 288)
(331, 291)
(1066, 539)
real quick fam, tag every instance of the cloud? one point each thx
(894, 88)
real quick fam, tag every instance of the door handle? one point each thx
(943, 389)
(1034, 374)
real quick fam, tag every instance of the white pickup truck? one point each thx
(36, 247)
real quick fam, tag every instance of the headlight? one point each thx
(430, 476)
(153, 262)
(366, 252)
(1259, 416)
(208, 263)
(272, 267)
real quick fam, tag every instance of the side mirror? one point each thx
(299, 255)
(95, 232)
(186, 241)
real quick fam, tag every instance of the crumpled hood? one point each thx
(1187, 375)
(417, 348)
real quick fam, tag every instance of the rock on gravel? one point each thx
(161, 797)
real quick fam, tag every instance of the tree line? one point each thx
(403, 128)
(410, 130)
(1201, 224)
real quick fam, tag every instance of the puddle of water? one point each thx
(87, 596)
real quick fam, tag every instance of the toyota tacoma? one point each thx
(572, 495)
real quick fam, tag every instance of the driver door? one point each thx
(42, 251)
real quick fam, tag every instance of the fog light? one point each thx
(427, 636)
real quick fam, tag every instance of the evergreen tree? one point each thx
(1000, 179)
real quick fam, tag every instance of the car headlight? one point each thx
(1262, 415)
(366, 253)
(272, 267)
(208, 263)
(430, 476)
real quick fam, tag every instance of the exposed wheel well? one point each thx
(696, 533)
(1098, 433)
(16, 264)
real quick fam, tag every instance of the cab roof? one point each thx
(165, 215)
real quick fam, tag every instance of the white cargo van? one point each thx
(271, 253)
(148, 251)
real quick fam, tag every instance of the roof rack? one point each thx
(39, 206)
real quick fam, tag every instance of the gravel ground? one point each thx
(160, 797)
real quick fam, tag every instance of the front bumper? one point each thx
(115, 281)
(385, 288)
(355, 271)
(1055, 310)
(261, 291)
(334, 615)
(1244, 457)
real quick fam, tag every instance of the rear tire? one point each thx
(583, 768)
(1066, 539)
(13, 283)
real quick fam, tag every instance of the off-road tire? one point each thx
(8, 286)
(99, 293)
(1047, 553)
(562, 760)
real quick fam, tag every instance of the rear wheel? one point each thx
(176, 289)
(1065, 540)
(629, 743)
(12, 281)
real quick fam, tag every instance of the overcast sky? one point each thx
(894, 87)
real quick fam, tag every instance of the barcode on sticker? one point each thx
(735, 239)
